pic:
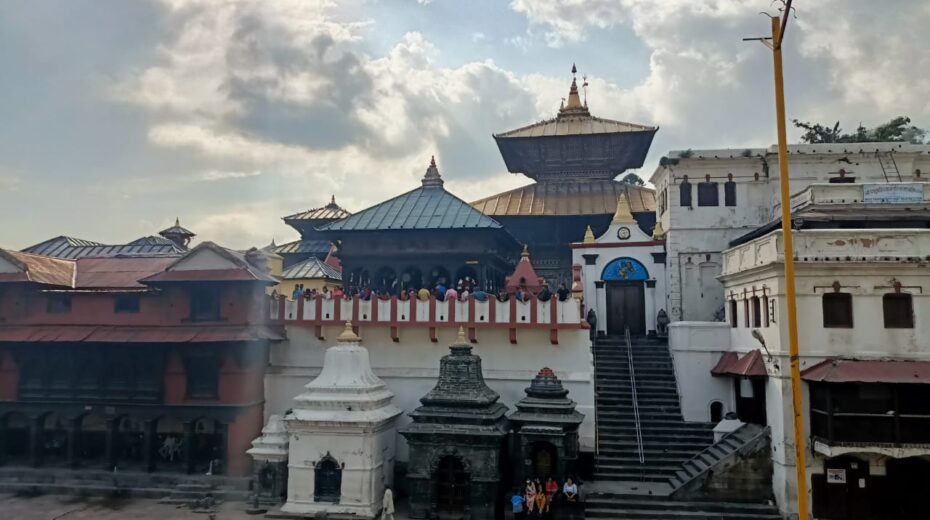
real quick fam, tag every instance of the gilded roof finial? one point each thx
(177, 222)
(573, 107)
(460, 340)
(348, 335)
(432, 161)
(623, 215)
(574, 70)
(432, 177)
(589, 235)
(525, 255)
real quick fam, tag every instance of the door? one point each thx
(626, 307)
(452, 489)
(544, 460)
(908, 486)
(842, 491)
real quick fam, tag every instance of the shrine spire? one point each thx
(432, 179)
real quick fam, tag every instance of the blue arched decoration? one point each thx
(624, 269)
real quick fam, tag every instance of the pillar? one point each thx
(74, 442)
(651, 308)
(148, 444)
(600, 307)
(36, 441)
(188, 452)
(112, 438)
(222, 456)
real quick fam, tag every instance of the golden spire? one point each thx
(574, 106)
(460, 340)
(525, 255)
(589, 235)
(432, 177)
(658, 233)
(623, 214)
(348, 335)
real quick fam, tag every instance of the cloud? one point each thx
(9, 183)
(215, 175)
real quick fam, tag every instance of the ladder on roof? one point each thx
(888, 165)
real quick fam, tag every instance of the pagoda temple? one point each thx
(422, 238)
(312, 243)
(573, 159)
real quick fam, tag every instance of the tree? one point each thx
(898, 129)
(632, 179)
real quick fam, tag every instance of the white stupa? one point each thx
(341, 437)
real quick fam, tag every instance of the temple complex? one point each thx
(312, 243)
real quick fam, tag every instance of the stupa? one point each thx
(341, 437)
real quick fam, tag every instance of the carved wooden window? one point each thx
(708, 194)
(756, 311)
(205, 303)
(837, 310)
(128, 303)
(684, 192)
(898, 309)
(327, 480)
(733, 317)
(57, 303)
(729, 193)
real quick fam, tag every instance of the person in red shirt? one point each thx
(552, 488)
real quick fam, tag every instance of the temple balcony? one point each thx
(551, 315)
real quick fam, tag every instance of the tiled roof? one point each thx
(567, 198)
(330, 211)
(575, 125)
(303, 246)
(39, 269)
(311, 268)
(117, 273)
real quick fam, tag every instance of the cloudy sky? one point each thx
(118, 115)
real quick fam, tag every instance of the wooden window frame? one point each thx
(837, 298)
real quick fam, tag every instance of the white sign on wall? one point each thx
(836, 476)
(897, 192)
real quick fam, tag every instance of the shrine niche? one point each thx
(456, 441)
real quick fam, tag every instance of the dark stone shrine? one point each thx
(455, 440)
(546, 430)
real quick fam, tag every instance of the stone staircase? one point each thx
(668, 441)
(718, 457)
(678, 456)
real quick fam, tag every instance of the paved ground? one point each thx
(50, 507)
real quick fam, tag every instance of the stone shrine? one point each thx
(455, 442)
(546, 430)
(269, 452)
(342, 437)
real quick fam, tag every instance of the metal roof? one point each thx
(575, 125)
(567, 198)
(112, 273)
(331, 211)
(177, 230)
(750, 365)
(52, 246)
(151, 241)
(311, 269)
(38, 269)
(868, 371)
(427, 207)
(303, 246)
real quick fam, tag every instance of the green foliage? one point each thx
(632, 179)
(898, 129)
(685, 154)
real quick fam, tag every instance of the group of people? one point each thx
(538, 497)
(440, 292)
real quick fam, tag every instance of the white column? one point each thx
(650, 293)
(601, 308)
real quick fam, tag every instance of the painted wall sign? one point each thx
(624, 269)
(897, 192)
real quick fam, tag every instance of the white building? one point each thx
(623, 274)
(707, 198)
(862, 252)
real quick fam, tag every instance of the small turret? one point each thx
(177, 234)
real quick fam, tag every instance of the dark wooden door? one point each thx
(452, 489)
(842, 492)
(626, 307)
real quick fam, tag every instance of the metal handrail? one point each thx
(639, 430)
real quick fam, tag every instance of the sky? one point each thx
(118, 116)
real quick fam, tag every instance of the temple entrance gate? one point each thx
(452, 486)
(626, 305)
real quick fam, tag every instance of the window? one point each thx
(58, 303)
(765, 309)
(733, 317)
(708, 194)
(684, 192)
(756, 312)
(837, 310)
(205, 304)
(729, 192)
(128, 303)
(203, 375)
(899, 311)
(746, 313)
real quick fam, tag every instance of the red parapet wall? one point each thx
(551, 315)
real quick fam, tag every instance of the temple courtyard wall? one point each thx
(410, 366)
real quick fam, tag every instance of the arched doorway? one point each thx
(626, 297)
(439, 275)
(385, 280)
(452, 485)
(327, 480)
(54, 439)
(466, 277)
(909, 484)
(545, 460)
(207, 447)
(129, 442)
(93, 440)
(411, 278)
(716, 411)
(169, 443)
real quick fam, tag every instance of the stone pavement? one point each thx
(53, 507)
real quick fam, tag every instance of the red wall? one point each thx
(9, 376)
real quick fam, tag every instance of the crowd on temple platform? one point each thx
(461, 292)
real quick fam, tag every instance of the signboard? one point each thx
(836, 476)
(895, 193)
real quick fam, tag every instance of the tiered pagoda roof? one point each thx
(331, 211)
(547, 405)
